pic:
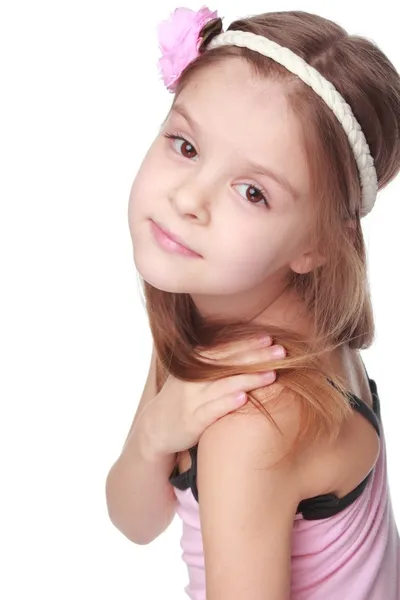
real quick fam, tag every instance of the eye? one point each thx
(254, 194)
(182, 145)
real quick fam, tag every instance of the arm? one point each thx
(140, 500)
(149, 390)
(247, 508)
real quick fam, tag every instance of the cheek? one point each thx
(254, 254)
(241, 259)
(146, 176)
(133, 207)
(249, 249)
(142, 190)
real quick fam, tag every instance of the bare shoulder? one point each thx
(249, 438)
(259, 440)
(249, 494)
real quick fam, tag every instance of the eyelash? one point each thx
(259, 190)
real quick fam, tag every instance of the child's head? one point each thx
(257, 239)
(249, 229)
(235, 107)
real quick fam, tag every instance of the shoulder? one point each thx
(250, 437)
(249, 492)
(259, 443)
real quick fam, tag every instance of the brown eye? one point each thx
(253, 194)
(187, 149)
(182, 146)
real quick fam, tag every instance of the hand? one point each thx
(175, 419)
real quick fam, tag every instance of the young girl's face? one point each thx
(216, 187)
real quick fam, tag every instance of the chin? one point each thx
(166, 280)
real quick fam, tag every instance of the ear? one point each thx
(351, 227)
(310, 260)
(307, 262)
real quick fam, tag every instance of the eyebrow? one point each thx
(253, 166)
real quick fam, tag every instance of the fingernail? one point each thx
(268, 376)
(241, 397)
(266, 340)
(278, 351)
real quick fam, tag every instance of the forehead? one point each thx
(249, 114)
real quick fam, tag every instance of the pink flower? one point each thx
(179, 41)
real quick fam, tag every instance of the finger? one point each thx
(231, 349)
(211, 411)
(258, 355)
(243, 382)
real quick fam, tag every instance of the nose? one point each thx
(191, 200)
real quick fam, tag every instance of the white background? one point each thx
(81, 100)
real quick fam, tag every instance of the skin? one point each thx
(202, 192)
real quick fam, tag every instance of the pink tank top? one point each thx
(347, 549)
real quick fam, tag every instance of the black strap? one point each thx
(327, 505)
(318, 507)
(187, 479)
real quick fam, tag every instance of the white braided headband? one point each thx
(326, 90)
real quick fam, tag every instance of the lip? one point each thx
(170, 241)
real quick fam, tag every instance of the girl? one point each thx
(245, 220)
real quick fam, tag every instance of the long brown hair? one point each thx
(336, 294)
